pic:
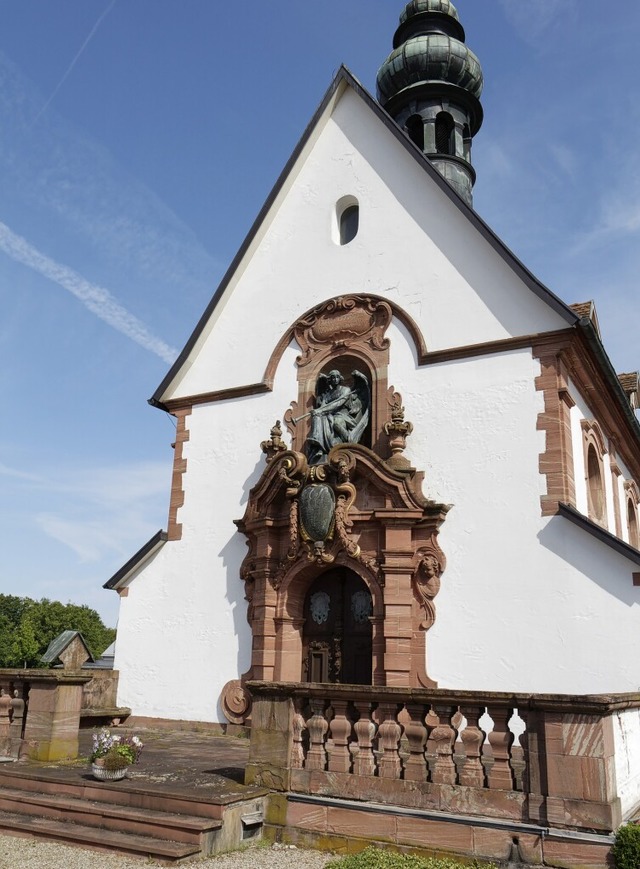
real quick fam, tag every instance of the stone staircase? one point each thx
(131, 818)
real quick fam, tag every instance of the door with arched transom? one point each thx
(337, 632)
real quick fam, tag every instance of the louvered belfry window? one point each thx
(444, 134)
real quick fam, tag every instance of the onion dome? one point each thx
(431, 84)
(431, 57)
(418, 6)
(429, 47)
(414, 16)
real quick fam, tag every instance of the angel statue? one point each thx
(340, 416)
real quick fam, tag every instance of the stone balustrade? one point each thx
(540, 759)
(13, 694)
(40, 713)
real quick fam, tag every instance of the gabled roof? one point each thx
(62, 642)
(344, 79)
(588, 310)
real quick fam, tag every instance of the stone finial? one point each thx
(5, 704)
(397, 430)
(17, 706)
(275, 444)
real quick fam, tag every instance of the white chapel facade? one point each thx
(400, 459)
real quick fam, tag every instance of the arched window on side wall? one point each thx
(595, 485)
(595, 447)
(445, 132)
(415, 130)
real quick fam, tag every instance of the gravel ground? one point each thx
(18, 853)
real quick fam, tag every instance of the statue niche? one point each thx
(340, 415)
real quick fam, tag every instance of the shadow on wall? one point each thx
(232, 555)
(596, 561)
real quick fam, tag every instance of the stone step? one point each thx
(125, 793)
(96, 837)
(189, 829)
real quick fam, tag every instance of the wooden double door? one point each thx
(337, 633)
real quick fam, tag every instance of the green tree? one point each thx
(28, 626)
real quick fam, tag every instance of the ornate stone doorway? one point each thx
(337, 634)
(343, 561)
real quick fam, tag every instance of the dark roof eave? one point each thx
(344, 75)
(599, 533)
(156, 541)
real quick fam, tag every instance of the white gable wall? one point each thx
(414, 247)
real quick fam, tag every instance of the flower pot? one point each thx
(103, 774)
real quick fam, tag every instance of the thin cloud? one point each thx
(69, 70)
(96, 299)
(96, 205)
(98, 512)
(91, 540)
(531, 20)
(6, 471)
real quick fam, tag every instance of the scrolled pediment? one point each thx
(342, 324)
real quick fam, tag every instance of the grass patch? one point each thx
(376, 858)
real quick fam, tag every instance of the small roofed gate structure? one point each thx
(41, 709)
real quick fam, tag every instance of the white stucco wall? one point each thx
(527, 603)
(182, 630)
(626, 735)
(579, 470)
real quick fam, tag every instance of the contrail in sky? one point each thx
(98, 300)
(93, 32)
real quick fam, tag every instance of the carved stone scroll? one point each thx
(426, 581)
(342, 323)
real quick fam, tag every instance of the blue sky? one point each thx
(138, 140)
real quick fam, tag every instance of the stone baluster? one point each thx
(444, 737)
(389, 733)
(415, 767)
(5, 720)
(317, 726)
(472, 774)
(431, 721)
(339, 754)
(500, 775)
(365, 730)
(297, 730)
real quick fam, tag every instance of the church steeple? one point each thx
(430, 84)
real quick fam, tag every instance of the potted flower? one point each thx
(113, 754)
